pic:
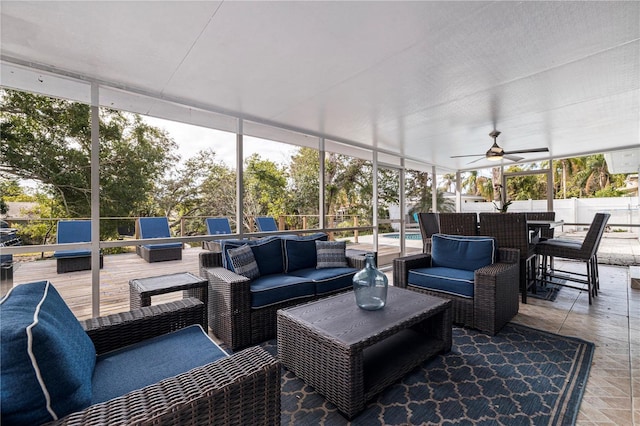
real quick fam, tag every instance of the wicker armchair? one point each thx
(231, 317)
(429, 225)
(243, 388)
(495, 297)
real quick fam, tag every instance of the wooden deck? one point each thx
(75, 287)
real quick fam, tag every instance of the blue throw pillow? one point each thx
(46, 358)
(268, 254)
(462, 252)
(243, 262)
(331, 254)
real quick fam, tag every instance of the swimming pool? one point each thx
(407, 235)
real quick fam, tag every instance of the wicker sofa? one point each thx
(243, 388)
(242, 310)
(480, 279)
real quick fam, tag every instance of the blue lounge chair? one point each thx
(218, 226)
(266, 224)
(157, 227)
(73, 231)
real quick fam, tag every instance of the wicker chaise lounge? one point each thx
(73, 231)
(243, 388)
(485, 298)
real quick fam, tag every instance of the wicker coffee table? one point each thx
(349, 355)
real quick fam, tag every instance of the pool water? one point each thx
(407, 236)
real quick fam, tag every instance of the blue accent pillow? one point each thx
(462, 252)
(301, 253)
(46, 358)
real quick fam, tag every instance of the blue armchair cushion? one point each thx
(331, 254)
(46, 358)
(301, 253)
(461, 252)
(446, 280)
(73, 231)
(243, 262)
(328, 280)
(218, 225)
(269, 289)
(142, 364)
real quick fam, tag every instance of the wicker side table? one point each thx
(349, 355)
(141, 289)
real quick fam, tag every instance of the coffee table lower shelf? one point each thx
(349, 366)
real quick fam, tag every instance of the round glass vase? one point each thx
(370, 286)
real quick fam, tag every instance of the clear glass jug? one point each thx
(370, 286)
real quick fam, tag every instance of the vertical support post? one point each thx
(239, 179)
(95, 201)
(375, 201)
(434, 190)
(403, 209)
(458, 191)
(322, 220)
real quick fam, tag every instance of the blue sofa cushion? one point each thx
(328, 280)
(268, 255)
(150, 361)
(162, 246)
(243, 262)
(46, 358)
(331, 254)
(446, 280)
(276, 288)
(300, 253)
(226, 245)
(460, 252)
(71, 253)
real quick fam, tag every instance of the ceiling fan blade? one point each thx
(513, 158)
(523, 151)
(482, 157)
(468, 155)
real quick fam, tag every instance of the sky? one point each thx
(192, 139)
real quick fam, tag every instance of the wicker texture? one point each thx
(73, 264)
(495, 299)
(159, 255)
(241, 389)
(458, 223)
(349, 355)
(231, 317)
(585, 252)
(429, 225)
(511, 231)
(545, 233)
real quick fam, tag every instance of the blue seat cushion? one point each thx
(275, 288)
(41, 336)
(71, 253)
(458, 282)
(73, 231)
(162, 246)
(300, 253)
(327, 280)
(460, 252)
(142, 364)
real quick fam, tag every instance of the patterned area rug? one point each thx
(522, 376)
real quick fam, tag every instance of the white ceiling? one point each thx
(425, 80)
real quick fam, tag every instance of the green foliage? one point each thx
(49, 140)
(417, 188)
(265, 188)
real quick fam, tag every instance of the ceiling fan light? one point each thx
(494, 157)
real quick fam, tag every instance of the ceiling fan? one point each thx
(496, 153)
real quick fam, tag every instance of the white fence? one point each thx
(623, 210)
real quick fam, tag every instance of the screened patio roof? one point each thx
(420, 80)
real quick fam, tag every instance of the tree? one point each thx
(265, 188)
(303, 186)
(49, 140)
(418, 189)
